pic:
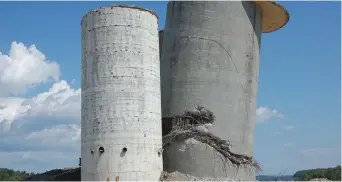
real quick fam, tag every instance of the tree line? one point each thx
(72, 174)
(12, 175)
(333, 174)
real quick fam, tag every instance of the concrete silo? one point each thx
(211, 58)
(121, 109)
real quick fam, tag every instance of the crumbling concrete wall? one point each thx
(121, 107)
(211, 58)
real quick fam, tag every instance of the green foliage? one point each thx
(11, 175)
(57, 175)
(329, 173)
(52, 175)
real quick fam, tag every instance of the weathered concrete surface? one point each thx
(211, 58)
(177, 176)
(121, 109)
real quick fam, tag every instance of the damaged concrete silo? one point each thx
(211, 58)
(121, 109)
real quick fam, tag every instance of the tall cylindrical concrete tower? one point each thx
(211, 58)
(121, 109)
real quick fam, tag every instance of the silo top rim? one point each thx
(122, 6)
(274, 16)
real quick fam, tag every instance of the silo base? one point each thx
(192, 159)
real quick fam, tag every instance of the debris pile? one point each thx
(192, 125)
(320, 179)
(177, 176)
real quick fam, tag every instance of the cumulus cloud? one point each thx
(41, 126)
(59, 105)
(41, 132)
(25, 67)
(60, 100)
(9, 109)
(265, 113)
(57, 137)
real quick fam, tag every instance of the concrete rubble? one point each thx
(320, 179)
(177, 176)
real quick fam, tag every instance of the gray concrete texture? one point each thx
(121, 107)
(211, 58)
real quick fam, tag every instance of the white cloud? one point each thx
(41, 132)
(289, 128)
(41, 126)
(9, 108)
(60, 102)
(60, 136)
(64, 137)
(265, 113)
(25, 67)
(45, 124)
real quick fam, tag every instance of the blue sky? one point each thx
(298, 96)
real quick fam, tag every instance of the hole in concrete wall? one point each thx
(91, 151)
(123, 152)
(101, 150)
(160, 152)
